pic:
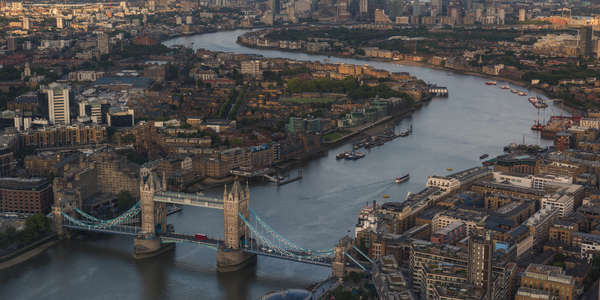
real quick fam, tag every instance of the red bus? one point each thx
(200, 237)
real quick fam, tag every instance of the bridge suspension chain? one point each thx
(283, 239)
(117, 221)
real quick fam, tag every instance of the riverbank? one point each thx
(28, 252)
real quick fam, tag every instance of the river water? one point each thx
(314, 212)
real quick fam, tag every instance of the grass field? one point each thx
(308, 100)
(331, 137)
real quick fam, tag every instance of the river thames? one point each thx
(314, 212)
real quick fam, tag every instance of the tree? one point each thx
(11, 234)
(252, 137)
(125, 200)
(27, 235)
(185, 125)
(559, 257)
(110, 130)
(108, 214)
(156, 87)
(4, 243)
(38, 223)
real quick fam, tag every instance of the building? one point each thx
(541, 180)
(103, 43)
(571, 170)
(540, 223)
(308, 124)
(481, 254)
(461, 180)
(585, 40)
(26, 23)
(449, 234)
(60, 23)
(564, 203)
(416, 8)
(548, 279)
(519, 179)
(120, 116)
(442, 271)
(11, 43)
(33, 195)
(158, 73)
(250, 67)
(58, 103)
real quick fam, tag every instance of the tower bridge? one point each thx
(246, 235)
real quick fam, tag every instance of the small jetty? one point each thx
(282, 182)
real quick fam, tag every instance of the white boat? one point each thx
(449, 74)
(402, 178)
(514, 91)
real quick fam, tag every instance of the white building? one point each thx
(521, 15)
(251, 67)
(539, 224)
(590, 247)
(518, 179)
(59, 23)
(178, 20)
(188, 20)
(541, 180)
(564, 203)
(590, 122)
(26, 24)
(58, 103)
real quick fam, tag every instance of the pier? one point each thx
(282, 182)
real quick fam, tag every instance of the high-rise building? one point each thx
(59, 23)
(416, 8)
(58, 103)
(120, 117)
(26, 23)
(275, 6)
(521, 15)
(364, 6)
(585, 40)
(12, 43)
(481, 252)
(103, 43)
(188, 20)
(178, 20)
(396, 9)
(436, 7)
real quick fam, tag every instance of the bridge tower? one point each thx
(154, 219)
(231, 256)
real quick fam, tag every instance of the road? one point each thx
(593, 292)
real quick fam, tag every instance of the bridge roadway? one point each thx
(190, 238)
(253, 249)
(115, 229)
(189, 199)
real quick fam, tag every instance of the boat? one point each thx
(449, 169)
(483, 156)
(521, 94)
(514, 91)
(386, 196)
(493, 83)
(403, 134)
(487, 163)
(402, 178)
(350, 156)
(505, 87)
(488, 83)
(326, 60)
(341, 156)
(449, 74)
(358, 155)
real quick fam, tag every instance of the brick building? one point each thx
(26, 195)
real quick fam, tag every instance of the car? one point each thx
(200, 237)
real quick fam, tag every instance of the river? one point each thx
(314, 212)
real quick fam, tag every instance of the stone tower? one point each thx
(231, 256)
(154, 218)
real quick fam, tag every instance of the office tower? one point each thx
(103, 43)
(395, 9)
(416, 8)
(58, 103)
(12, 43)
(585, 40)
(59, 23)
(275, 6)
